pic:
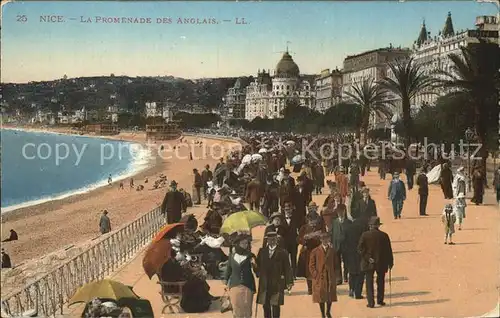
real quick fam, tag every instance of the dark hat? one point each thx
(374, 220)
(173, 183)
(275, 215)
(362, 184)
(105, 211)
(448, 207)
(271, 234)
(365, 190)
(240, 237)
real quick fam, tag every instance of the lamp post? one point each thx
(469, 136)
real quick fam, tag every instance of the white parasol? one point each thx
(263, 150)
(256, 157)
(290, 142)
(246, 159)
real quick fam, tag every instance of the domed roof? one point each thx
(286, 67)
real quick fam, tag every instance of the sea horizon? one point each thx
(87, 175)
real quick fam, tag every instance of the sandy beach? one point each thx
(55, 225)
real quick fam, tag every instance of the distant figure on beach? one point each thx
(13, 236)
(131, 183)
(190, 156)
(105, 223)
(121, 185)
(110, 180)
(146, 180)
(6, 260)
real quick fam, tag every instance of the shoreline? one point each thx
(128, 172)
(53, 232)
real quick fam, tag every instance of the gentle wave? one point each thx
(141, 159)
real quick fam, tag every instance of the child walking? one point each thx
(448, 219)
(460, 205)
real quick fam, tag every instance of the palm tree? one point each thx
(408, 81)
(371, 98)
(475, 74)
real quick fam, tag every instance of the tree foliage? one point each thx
(408, 80)
(371, 99)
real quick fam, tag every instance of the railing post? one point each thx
(55, 288)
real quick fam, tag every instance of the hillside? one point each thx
(128, 93)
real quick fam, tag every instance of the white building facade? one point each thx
(235, 101)
(267, 96)
(371, 65)
(432, 53)
(328, 89)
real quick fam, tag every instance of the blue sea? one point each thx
(40, 166)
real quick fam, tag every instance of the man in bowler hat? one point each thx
(376, 257)
(275, 275)
(173, 204)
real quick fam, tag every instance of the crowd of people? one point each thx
(340, 242)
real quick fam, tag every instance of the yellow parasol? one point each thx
(105, 289)
(242, 221)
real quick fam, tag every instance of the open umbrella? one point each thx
(242, 221)
(105, 289)
(263, 150)
(167, 229)
(157, 254)
(290, 142)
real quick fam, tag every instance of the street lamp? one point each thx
(469, 136)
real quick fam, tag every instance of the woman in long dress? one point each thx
(239, 278)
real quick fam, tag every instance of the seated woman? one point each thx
(195, 292)
(196, 297)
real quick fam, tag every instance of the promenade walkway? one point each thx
(429, 278)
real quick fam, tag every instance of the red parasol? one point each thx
(167, 229)
(157, 254)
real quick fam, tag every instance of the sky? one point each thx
(321, 35)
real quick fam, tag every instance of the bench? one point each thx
(171, 294)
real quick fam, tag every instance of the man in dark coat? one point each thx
(198, 183)
(339, 226)
(365, 206)
(353, 232)
(253, 194)
(287, 187)
(318, 177)
(290, 236)
(376, 256)
(410, 170)
(478, 186)
(105, 223)
(445, 180)
(6, 263)
(274, 273)
(271, 197)
(173, 204)
(301, 200)
(423, 191)
(206, 175)
(219, 172)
